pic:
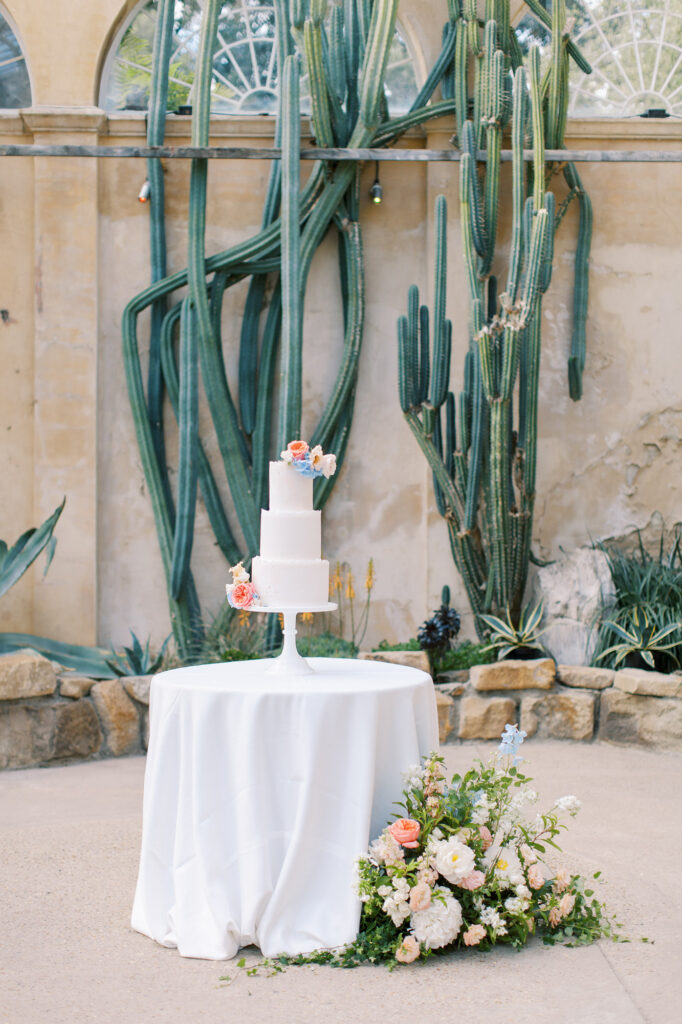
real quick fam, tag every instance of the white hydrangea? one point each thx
(453, 860)
(386, 850)
(414, 776)
(570, 804)
(440, 923)
(490, 917)
(515, 905)
(396, 909)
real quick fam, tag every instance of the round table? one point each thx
(261, 792)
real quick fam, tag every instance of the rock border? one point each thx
(562, 702)
(50, 717)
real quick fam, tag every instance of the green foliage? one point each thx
(465, 655)
(641, 641)
(521, 641)
(136, 660)
(645, 614)
(15, 561)
(408, 645)
(481, 444)
(326, 645)
(234, 635)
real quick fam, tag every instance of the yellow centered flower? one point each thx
(455, 857)
(502, 865)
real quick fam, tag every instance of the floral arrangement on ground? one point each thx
(466, 867)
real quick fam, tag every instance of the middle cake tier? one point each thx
(291, 583)
(291, 535)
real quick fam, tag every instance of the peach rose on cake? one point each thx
(241, 595)
(295, 451)
(406, 831)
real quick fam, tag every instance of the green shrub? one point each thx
(464, 656)
(408, 645)
(326, 645)
(647, 605)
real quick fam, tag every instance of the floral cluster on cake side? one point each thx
(310, 462)
(241, 593)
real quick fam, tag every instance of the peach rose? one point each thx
(405, 831)
(242, 595)
(554, 916)
(566, 903)
(535, 879)
(420, 896)
(408, 950)
(298, 449)
(484, 833)
(474, 934)
(473, 881)
(562, 880)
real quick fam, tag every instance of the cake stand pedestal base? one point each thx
(290, 662)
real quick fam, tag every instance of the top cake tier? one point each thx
(289, 490)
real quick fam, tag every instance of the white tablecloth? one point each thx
(260, 793)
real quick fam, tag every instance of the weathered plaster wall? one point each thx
(75, 249)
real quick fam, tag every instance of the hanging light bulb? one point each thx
(376, 193)
(145, 192)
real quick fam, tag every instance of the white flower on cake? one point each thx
(239, 573)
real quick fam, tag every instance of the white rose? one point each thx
(328, 465)
(453, 860)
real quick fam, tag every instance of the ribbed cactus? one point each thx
(345, 51)
(482, 445)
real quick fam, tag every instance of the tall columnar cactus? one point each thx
(345, 52)
(482, 445)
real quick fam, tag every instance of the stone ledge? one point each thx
(538, 674)
(25, 674)
(585, 676)
(118, 716)
(648, 684)
(484, 718)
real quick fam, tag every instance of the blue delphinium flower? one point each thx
(512, 738)
(305, 467)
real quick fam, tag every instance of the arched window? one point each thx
(15, 87)
(635, 50)
(245, 73)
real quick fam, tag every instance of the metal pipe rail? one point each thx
(336, 155)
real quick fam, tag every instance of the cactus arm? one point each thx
(322, 122)
(387, 133)
(541, 14)
(466, 191)
(576, 362)
(475, 206)
(538, 128)
(424, 371)
(187, 451)
(460, 80)
(218, 394)
(373, 72)
(355, 317)
(441, 335)
(443, 62)
(290, 357)
(212, 500)
(556, 85)
(519, 116)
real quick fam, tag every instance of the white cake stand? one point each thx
(290, 662)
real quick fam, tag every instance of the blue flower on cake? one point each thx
(309, 462)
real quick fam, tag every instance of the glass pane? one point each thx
(15, 88)
(634, 48)
(244, 66)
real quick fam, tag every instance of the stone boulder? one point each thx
(26, 674)
(648, 684)
(118, 716)
(559, 716)
(571, 590)
(411, 659)
(629, 718)
(484, 718)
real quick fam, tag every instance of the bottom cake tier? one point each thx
(288, 583)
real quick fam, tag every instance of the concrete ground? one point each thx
(69, 840)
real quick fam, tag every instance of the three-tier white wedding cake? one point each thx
(290, 572)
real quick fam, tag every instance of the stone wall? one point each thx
(49, 717)
(564, 702)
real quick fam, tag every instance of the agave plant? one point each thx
(136, 660)
(642, 640)
(506, 638)
(15, 561)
